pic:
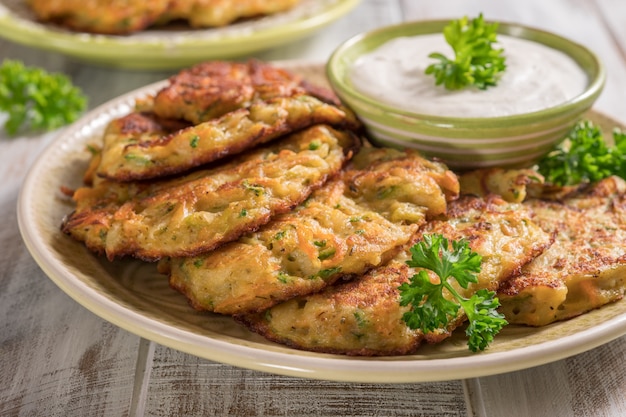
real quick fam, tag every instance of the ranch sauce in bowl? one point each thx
(536, 77)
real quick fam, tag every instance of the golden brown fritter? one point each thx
(215, 13)
(133, 155)
(188, 216)
(211, 89)
(139, 124)
(127, 16)
(585, 268)
(364, 316)
(385, 189)
(299, 253)
(502, 232)
(513, 185)
(101, 16)
(335, 233)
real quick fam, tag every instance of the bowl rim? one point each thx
(596, 73)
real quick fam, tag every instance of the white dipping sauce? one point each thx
(536, 77)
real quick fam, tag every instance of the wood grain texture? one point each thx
(56, 359)
(614, 14)
(582, 385)
(368, 15)
(185, 385)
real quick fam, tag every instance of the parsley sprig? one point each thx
(430, 309)
(38, 99)
(585, 156)
(476, 62)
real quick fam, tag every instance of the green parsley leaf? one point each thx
(430, 309)
(484, 320)
(585, 156)
(476, 61)
(37, 99)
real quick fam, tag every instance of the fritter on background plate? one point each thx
(120, 17)
(100, 16)
(216, 13)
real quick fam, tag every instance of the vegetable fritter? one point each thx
(101, 16)
(211, 89)
(513, 185)
(140, 123)
(128, 16)
(215, 13)
(190, 215)
(364, 316)
(585, 268)
(139, 156)
(350, 225)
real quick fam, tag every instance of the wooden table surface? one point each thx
(59, 359)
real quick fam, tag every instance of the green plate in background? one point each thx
(171, 47)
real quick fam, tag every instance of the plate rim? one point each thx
(320, 366)
(161, 51)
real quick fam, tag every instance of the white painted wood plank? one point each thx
(56, 358)
(368, 15)
(186, 385)
(614, 14)
(589, 384)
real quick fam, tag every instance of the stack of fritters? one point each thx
(585, 268)
(162, 215)
(118, 17)
(358, 221)
(364, 317)
(550, 253)
(251, 189)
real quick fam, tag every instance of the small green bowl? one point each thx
(465, 143)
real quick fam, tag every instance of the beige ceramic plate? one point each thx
(171, 47)
(132, 295)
